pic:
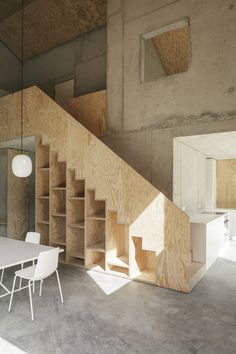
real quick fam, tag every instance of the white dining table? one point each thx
(15, 252)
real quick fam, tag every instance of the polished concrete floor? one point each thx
(135, 319)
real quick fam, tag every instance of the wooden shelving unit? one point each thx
(95, 231)
(58, 211)
(42, 205)
(75, 220)
(70, 217)
(117, 246)
(144, 263)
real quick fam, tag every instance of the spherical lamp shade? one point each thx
(21, 165)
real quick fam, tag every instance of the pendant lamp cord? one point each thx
(22, 58)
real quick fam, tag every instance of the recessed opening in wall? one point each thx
(165, 51)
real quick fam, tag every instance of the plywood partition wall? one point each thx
(14, 199)
(226, 183)
(90, 111)
(94, 205)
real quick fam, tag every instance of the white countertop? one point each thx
(203, 218)
(220, 210)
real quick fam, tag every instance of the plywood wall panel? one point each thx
(226, 183)
(173, 49)
(90, 111)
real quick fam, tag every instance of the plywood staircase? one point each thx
(94, 205)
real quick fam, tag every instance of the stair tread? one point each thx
(121, 261)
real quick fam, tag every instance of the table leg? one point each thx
(7, 291)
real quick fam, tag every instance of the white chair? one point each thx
(32, 237)
(46, 266)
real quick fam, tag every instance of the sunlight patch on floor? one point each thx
(8, 348)
(107, 283)
(229, 251)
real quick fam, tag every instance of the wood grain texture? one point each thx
(48, 23)
(162, 227)
(173, 50)
(226, 184)
(42, 191)
(90, 111)
(117, 236)
(17, 202)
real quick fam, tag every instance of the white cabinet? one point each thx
(207, 237)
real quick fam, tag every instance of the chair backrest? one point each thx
(47, 264)
(33, 237)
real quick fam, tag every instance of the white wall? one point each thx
(189, 178)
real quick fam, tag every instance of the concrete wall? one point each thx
(9, 71)
(83, 59)
(189, 184)
(144, 117)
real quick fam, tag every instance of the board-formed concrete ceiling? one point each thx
(219, 146)
(48, 23)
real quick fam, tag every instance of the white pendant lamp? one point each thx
(22, 164)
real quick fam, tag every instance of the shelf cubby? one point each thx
(42, 187)
(42, 210)
(43, 228)
(95, 227)
(95, 260)
(116, 270)
(143, 262)
(43, 157)
(75, 246)
(58, 202)
(58, 172)
(95, 235)
(76, 213)
(76, 188)
(117, 244)
(58, 230)
(95, 209)
(75, 219)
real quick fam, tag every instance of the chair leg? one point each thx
(33, 281)
(59, 285)
(22, 266)
(31, 304)
(40, 289)
(12, 292)
(2, 276)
